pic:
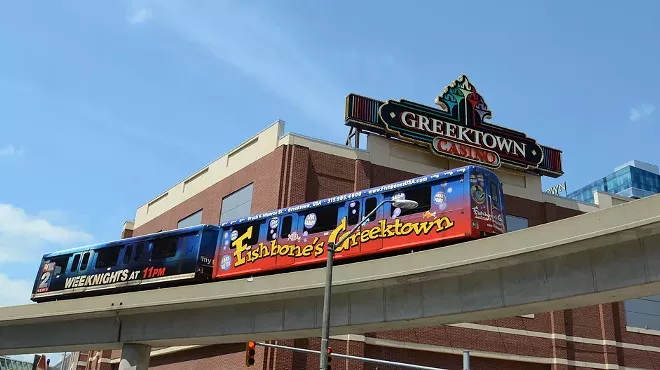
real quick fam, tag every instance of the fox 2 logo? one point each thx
(46, 274)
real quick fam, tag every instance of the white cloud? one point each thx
(11, 151)
(255, 44)
(23, 236)
(140, 15)
(14, 292)
(643, 110)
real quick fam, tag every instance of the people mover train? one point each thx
(452, 206)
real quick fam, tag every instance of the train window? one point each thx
(139, 250)
(353, 212)
(421, 195)
(107, 257)
(74, 264)
(287, 222)
(85, 260)
(321, 219)
(127, 254)
(164, 248)
(494, 194)
(60, 264)
(369, 206)
(242, 229)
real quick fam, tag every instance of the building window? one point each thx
(514, 223)
(192, 220)
(236, 205)
(643, 312)
(645, 180)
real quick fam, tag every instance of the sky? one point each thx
(104, 105)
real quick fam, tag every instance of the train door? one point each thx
(479, 203)
(80, 265)
(84, 267)
(140, 252)
(127, 262)
(350, 214)
(369, 204)
(495, 205)
(164, 258)
(191, 247)
(285, 232)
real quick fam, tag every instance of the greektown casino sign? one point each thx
(457, 129)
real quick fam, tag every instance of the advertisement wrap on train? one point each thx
(452, 206)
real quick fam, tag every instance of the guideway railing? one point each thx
(466, 357)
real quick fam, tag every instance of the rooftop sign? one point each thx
(457, 129)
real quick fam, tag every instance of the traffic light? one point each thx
(329, 358)
(249, 353)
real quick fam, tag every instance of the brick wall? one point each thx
(266, 176)
(441, 360)
(294, 174)
(127, 234)
(228, 357)
(99, 360)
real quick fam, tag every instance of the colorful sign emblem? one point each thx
(46, 277)
(225, 262)
(478, 193)
(457, 129)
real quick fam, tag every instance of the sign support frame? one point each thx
(349, 357)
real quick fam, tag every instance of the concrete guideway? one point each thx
(608, 255)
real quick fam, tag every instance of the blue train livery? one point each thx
(166, 258)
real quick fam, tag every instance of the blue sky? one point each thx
(103, 105)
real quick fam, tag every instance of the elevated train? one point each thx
(453, 206)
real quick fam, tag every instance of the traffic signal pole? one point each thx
(349, 357)
(249, 353)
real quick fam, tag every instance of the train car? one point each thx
(162, 259)
(453, 206)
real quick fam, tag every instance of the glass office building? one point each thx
(7, 363)
(634, 179)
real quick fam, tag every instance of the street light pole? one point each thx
(325, 329)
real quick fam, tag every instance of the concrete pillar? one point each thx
(134, 357)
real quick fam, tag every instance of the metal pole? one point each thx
(466, 360)
(349, 357)
(325, 329)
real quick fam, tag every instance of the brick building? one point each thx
(273, 170)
